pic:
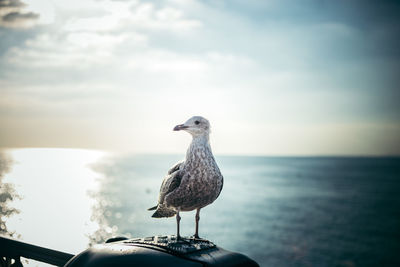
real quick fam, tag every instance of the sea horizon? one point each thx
(132, 152)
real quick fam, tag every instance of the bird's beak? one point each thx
(180, 127)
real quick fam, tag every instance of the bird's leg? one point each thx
(178, 219)
(196, 234)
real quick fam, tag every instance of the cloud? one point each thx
(13, 16)
(10, 4)
(19, 19)
(102, 64)
(123, 16)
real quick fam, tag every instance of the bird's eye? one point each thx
(196, 122)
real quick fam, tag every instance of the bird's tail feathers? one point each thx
(163, 212)
(153, 208)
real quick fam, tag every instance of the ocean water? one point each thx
(280, 211)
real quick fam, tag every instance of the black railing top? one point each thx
(14, 249)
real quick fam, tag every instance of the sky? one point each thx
(273, 77)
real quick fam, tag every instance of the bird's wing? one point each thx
(176, 167)
(171, 181)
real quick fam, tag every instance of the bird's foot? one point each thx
(197, 238)
(180, 239)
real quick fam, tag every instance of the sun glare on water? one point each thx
(52, 183)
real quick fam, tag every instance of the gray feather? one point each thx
(176, 167)
(201, 181)
(169, 184)
(195, 182)
(163, 211)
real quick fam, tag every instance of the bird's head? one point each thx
(196, 126)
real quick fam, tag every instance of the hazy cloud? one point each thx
(10, 4)
(13, 16)
(16, 17)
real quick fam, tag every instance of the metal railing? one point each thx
(12, 250)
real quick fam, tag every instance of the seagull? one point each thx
(194, 182)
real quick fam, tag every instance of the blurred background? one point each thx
(303, 99)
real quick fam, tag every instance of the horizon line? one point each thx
(300, 155)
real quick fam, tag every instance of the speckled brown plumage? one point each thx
(195, 182)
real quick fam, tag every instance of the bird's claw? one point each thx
(180, 239)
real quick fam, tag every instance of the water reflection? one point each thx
(55, 206)
(128, 185)
(102, 210)
(7, 195)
